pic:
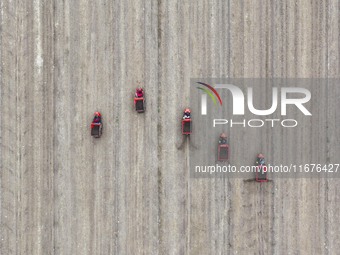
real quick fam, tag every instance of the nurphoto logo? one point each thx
(208, 92)
(288, 96)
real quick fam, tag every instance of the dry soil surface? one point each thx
(130, 192)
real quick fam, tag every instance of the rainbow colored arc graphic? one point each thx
(208, 92)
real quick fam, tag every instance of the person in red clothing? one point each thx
(97, 117)
(223, 139)
(260, 160)
(187, 114)
(139, 92)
